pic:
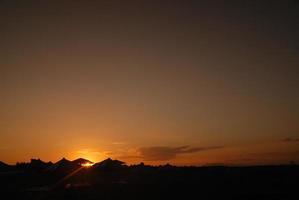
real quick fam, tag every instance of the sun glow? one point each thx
(89, 154)
(86, 164)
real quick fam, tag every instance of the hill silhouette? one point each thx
(113, 179)
(4, 166)
(61, 164)
(39, 164)
(81, 161)
(109, 164)
(66, 166)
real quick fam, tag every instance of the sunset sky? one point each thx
(180, 82)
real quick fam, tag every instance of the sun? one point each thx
(86, 165)
(89, 154)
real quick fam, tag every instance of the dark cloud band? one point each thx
(158, 153)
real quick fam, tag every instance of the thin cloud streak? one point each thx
(291, 139)
(159, 153)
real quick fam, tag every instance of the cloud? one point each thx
(264, 157)
(291, 139)
(158, 153)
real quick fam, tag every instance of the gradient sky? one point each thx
(181, 82)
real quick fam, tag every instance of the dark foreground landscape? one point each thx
(112, 179)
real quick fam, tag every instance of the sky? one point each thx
(180, 82)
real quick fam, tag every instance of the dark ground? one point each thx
(146, 182)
